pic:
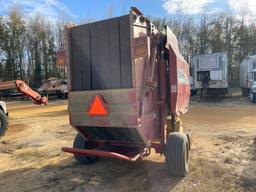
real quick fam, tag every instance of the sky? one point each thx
(82, 10)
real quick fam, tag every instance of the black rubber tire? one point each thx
(193, 92)
(253, 98)
(82, 143)
(4, 123)
(245, 92)
(177, 154)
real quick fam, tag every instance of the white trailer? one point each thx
(211, 72)
(247, 67)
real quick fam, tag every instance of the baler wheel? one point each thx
(177, 154)
(3, 123)
(81, 143)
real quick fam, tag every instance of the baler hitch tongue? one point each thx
(26, 90)
(107, 154)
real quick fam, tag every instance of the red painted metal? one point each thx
(98, 107)
(117, 143)
(26, 90)
(179, 77)
(102, 154)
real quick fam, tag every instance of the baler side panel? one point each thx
(183, 87)
(173, 81)
(179, 77)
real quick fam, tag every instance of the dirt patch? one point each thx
(222, 155)
(248, 175)
(15, 128)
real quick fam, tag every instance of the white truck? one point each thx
(253, 88)
(3, 118)
(211, 72)
(247, 69)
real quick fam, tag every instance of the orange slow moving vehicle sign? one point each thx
(98, 107)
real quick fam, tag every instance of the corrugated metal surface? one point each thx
(101, 55)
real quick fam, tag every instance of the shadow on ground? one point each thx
(248, 176)
(105, 175)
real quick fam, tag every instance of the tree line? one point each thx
(222, 32)
(28, 48)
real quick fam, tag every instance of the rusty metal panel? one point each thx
(141, 47)
(115, 119)
(121, 124)
(121, 103)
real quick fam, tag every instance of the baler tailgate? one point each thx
(118, 124)
(120, 103)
